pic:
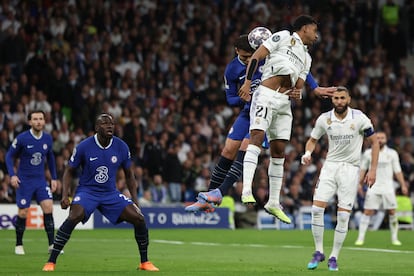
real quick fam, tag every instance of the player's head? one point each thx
(243, 48)
(104, 125)
(306, 27)
(341, 99)
(36, 119)
(382, 138)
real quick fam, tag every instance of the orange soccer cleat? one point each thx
(148, 266)
(49, 267)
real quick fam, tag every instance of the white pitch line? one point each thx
(282, 246)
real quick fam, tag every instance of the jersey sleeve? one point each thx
(310, 80)
(366, 126)
(319, 129)
(273, 42)
(51, 161)
(126, 154)
(396, 166)
(231, 86)
(11, 153)
(76, 157)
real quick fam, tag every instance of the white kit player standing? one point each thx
(382, 194)
(345, 128)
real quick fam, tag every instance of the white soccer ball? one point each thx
(257, 36)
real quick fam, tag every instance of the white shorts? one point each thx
(271, 112)
(386, 201)
(338, 178)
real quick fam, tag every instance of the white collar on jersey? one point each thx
(99, 145)
(297, 37)
(347, 117)
(36, 137)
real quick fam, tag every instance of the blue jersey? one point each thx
(33, 153)
(99, 165)
(234, 77)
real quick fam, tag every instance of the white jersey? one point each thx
(388, 164)
(345, 136)
(287, 56)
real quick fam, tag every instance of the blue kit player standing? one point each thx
(33, 147)
(99, 157)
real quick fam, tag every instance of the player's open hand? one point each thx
(15, 181)
(65, 203)
(324, 92)
(370, 178)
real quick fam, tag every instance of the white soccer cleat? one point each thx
(396, 242)
(19, 250)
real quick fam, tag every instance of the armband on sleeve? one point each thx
(252, 69)
(368, 132)
(311, 81)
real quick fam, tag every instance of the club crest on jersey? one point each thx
(293, 41)
(23, 201)
(114, 159)
(352, 127)
(77, 198)
(329, 121)
(275, 38)
(45, 146)
(257, 121)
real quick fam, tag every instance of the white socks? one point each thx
(318, 227)
(249, 167)
(341, 230)
(275, 172)
(363, 226)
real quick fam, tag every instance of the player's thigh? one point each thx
(389, 201)
(43, 192)
(281, 126)
(326, 186)
(372, 201)
(24, 194)
(88, 202)
(113, 206)
(348, 178)
(261, 109)
(240, 127)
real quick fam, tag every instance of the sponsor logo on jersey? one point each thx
(275, 38)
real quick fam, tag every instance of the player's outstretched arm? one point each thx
(67, 180)
(131, 184)
(370, 177)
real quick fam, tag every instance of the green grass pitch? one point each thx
(207, 252)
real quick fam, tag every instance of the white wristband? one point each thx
(308, 153)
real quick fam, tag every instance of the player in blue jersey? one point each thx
(230, 165)
(99, 157)
(33, 147)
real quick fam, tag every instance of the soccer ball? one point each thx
(257, 36)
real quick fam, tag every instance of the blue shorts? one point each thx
(240, 129)
(110, 204)
(29, 189)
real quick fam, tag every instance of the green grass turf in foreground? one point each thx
(207, 252)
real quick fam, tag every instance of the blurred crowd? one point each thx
(157, 67)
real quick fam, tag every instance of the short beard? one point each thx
(340, 110)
